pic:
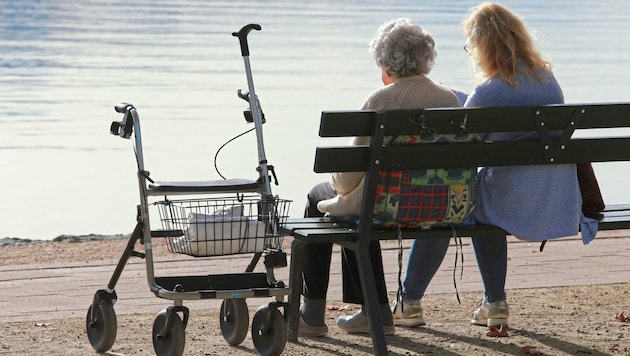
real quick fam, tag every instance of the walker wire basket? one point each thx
(225, 225)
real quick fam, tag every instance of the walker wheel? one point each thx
(168, 334)
(269, 331)
(234, 320)
(101, 325)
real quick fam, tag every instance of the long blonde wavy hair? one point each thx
(498, 41)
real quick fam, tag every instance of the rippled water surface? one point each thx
(64, 65)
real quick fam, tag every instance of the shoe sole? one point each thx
(305, 330)
(413, 322)
(389, 330)
(302, 332)
(489, 322)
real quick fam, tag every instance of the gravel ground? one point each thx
(582, 320)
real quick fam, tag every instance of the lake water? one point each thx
(65, 64)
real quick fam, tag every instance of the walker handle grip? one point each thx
(242, 36)
(122, 107)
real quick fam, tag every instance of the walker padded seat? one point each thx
(220, 185)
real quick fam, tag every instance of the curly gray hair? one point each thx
(403, 48)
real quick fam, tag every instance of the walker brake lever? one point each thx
(244, 96)
(269, 170)
(248, 112)
(273, 173)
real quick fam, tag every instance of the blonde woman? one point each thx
(532, 203)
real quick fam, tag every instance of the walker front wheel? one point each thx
(168, 334)
(269, 331)
(101, 325)
(234, 320)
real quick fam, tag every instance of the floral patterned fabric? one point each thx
(421, 198)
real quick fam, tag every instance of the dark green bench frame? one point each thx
(370, 159)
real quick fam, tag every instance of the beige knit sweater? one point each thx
(416, 92)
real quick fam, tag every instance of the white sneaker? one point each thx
(491, 314)
(408, 313)
(358, 323)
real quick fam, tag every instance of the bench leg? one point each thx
(295, 289)
(372, 307)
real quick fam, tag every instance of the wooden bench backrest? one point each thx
(566, 118)
(565, 149)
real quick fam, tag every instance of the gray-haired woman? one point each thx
(405, 53)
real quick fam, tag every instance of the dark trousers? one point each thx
(316, 269)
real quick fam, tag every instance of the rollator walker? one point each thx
(201, 219)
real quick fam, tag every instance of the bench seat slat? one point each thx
(332, 230)
(616, 213)
(290, 228)
(292, 224)
(607, 220)
(336, 235)
(615, 217)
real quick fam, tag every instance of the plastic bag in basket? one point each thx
(224, 232)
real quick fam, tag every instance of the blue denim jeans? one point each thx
(426, 256)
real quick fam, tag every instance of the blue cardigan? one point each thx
(533, 203)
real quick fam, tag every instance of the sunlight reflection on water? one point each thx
(64, 66)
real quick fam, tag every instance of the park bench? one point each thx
(547, 150)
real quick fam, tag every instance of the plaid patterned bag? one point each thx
(421, 198)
